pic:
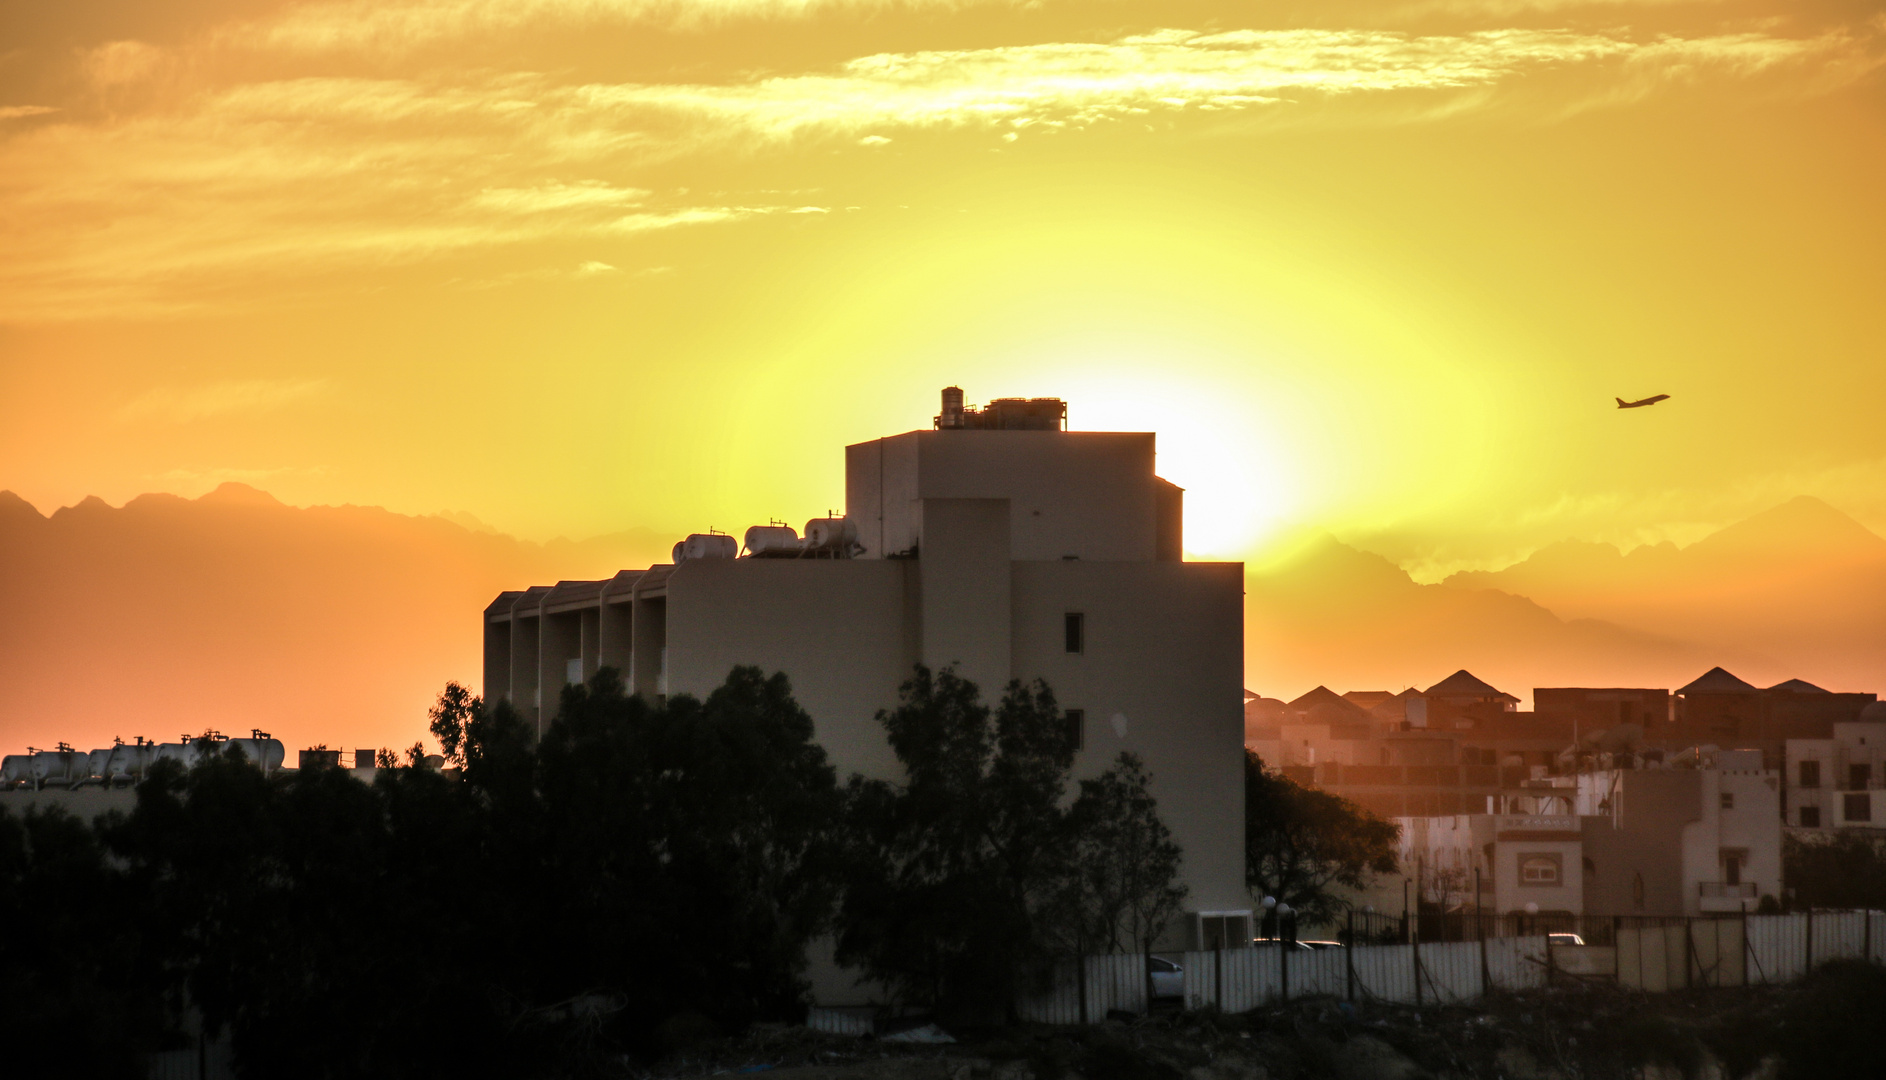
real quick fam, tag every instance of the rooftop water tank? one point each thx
(128, 762)
(16, 769)
(705, 546)
(831, 534)
(64, 767)
(265, 753)
(773, 541)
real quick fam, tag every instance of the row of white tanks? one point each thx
(127, 763)
(826, 537)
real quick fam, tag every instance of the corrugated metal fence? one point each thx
(1239, 979)
(1654, 955)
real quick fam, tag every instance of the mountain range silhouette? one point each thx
(338, 624)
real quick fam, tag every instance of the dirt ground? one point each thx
(1828, 1026)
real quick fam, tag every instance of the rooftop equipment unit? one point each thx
(952, 415)
(834, 537)
(16, 769)
(708, 545)
(1002, 414)
(774, 542)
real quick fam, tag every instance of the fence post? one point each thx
(1414, 956)
(1808, 969)
(1218, 976)
(1080, 983)
(1866, 936)
(1283, 962)
(1689, 951)
(1349, 959)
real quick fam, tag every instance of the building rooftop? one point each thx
(1718, 681)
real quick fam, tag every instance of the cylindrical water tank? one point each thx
(830, 534)
(66, 768)
(128, 762)
(97, 762)
(16, 769)
(952, 416)
(184, 754)
(773, 540)
(265, 754)
(705, 546)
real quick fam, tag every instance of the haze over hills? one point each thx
(340, 624)
(1352, 620)
(1798, 591)
(334, 624)
(1801, 586)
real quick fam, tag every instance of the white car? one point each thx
(1168, 978)
(1564, 939)
(1299, 946)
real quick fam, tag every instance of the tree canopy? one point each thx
(1301, 844)
(973, 874)
(556, 903)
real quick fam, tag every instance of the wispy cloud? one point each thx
(398, 27)
(183, 404)
(16, 112)
(286, 176)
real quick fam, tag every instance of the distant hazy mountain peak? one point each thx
(12, 506)
(1802, 524)
(234, 493)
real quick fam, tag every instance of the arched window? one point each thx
(1539, 869)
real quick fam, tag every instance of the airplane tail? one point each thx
(1621, 404)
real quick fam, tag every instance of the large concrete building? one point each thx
(998, 543)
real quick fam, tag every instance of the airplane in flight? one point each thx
(1622, 404)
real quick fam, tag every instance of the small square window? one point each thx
(1076, 626)
(1810, 774)
(1728, 800)
(1859, 777)
(1076, 720)
(1810, 817)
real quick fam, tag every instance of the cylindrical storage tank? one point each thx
(97, 762)
(265, 754)
(952, 416)
(773, 540)
(830, 534)
(16, 769)
(65, 768)
(705, 546)
(128, 762)
(184, 754)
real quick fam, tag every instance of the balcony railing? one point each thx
(1717, 890)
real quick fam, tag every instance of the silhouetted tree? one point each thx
(1122, 879)
(79, 988)
(1301, 843)
(1839, 870)
(972, 875)
(554, 903)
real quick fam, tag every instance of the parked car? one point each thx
(1168, 978)
(1564, 939)
(1320, 945)
(1301, 946)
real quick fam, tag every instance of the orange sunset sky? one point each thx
(577, 267)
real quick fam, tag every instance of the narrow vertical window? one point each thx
(1076, 727)
(1076, 626)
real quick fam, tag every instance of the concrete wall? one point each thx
(837, 628)
(1160, 676)
(1089, 494)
